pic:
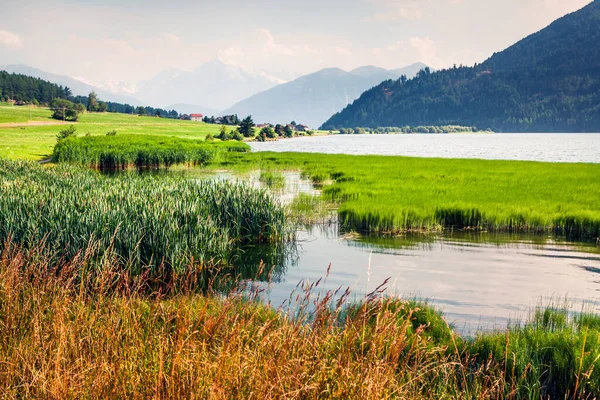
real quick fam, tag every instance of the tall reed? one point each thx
(148, 221)
(123, 151)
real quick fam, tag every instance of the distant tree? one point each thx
(157, 113)
(92, 103)
(288, 132)
(102, 107)
(140, 110)
(261, 137)
(237, 135)
(223, 135)
(247, 127)
(209, 138)
(279, 130)
(64, 110)
(268, 132)
(293, 123)
(79, 107)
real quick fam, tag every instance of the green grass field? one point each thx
(37, 142)
(391, 194)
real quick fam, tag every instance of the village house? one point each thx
(196, 117)
(302, 128)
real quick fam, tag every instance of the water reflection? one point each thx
(479, 281)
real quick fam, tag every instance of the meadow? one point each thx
(114, 340)
(148, 223)
(388, 194)
(124, 151)
(36, 142)
(108, 284)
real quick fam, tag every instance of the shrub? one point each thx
(66, 133)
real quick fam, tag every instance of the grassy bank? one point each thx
(394, 194)
(37, 141)
(148, 222)
(123, 151)
(114, 341)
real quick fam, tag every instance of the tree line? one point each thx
(23, 89)
(26, 89)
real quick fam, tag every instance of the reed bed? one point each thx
(273, 180)
(116, 341)
(390, 194)
(149, 222)
(123, 151)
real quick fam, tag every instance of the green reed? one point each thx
(123, 151)
(147, 221)
(394, 194)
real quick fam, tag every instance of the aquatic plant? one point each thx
(123, 151)
(149, 222)
(390, 194)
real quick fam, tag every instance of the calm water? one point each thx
(532, 147)
(480, 282)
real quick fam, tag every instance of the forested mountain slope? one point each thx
(547, 82)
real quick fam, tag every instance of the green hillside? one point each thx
(30, 132)
(548, 82)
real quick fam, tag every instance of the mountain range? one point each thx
(214, 87)
(547, 82)
(313, 98)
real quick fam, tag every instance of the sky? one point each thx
(112, 40)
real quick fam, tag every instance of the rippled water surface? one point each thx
(532, 147)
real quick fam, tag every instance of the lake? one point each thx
(506, 146)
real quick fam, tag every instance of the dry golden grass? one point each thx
(103, 334)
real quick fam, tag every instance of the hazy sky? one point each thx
(134, 40)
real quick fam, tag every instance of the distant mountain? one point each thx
(411, 70)
(311, 99)
(215, 85)
(547, 82)
(78, 87)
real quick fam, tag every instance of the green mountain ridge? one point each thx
(547, 82)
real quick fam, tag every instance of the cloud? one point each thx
(10, 40)
(405, 52)
(270, 46)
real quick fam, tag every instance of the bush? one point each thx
(237, 136)
(65, 133)
(111, 133)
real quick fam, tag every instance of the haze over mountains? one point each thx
(78, 87)
(547, 82)
(313, 98)
(217, 88)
